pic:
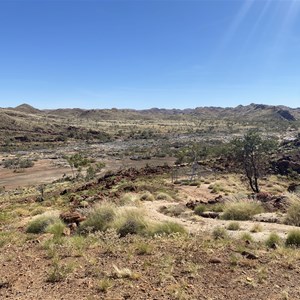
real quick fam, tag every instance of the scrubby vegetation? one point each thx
(99, 219)
(293, 238)
(41, 223)
(293, 213)
(273, 240)
(121, 219)
(241, 210)
(168, 228)
(220, 233)
(18, 163)
(233, 226)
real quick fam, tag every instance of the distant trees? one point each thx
(18, 163)
(191, 155)
(77, 162)
(251, 154)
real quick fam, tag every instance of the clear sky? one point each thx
(143, 54)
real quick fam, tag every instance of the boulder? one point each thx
(210, 214)
(72, 217)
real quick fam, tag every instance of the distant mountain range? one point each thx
(25, 124)
(251, 112)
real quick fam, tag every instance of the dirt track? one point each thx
(196, 224)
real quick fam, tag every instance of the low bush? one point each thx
(293, 214)
(167, 228)
(241, 210)
(233, 226)
(293, 238)
(273, 239)
(246, 236)
(147, 197)
(40, 224)
(219, 233)
(199, 209)
(99, 219)
(163, 196)
(57, 228)
(130, 222)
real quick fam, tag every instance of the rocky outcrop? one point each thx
(286, 164)
(286, 115)
(273, 202)
(72, 217)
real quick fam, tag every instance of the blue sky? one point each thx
(142, 54)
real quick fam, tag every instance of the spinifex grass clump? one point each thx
(163, 196)
(147, 197)
(199, 209)
(293, 214)
(167, 228)
(99, 219)
(40, 224)
(273, 240)
(234, 226)
(219, 233)
(293, 238)
(241, 210)
(130, 221)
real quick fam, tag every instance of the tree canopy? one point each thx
(251, 154)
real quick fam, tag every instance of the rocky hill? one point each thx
(249, 112)
(25, 123)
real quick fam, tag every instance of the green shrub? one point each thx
(241, 210)
(219, 233)
(15, 163)
(168, 227)
(246, 236)
(199, 209)
(130, 222)
(233, 226)
(273, 239)
(293, 238)
(293, 214)
(216, 207)
(40, 224)
(100, 219)
(57, 228)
